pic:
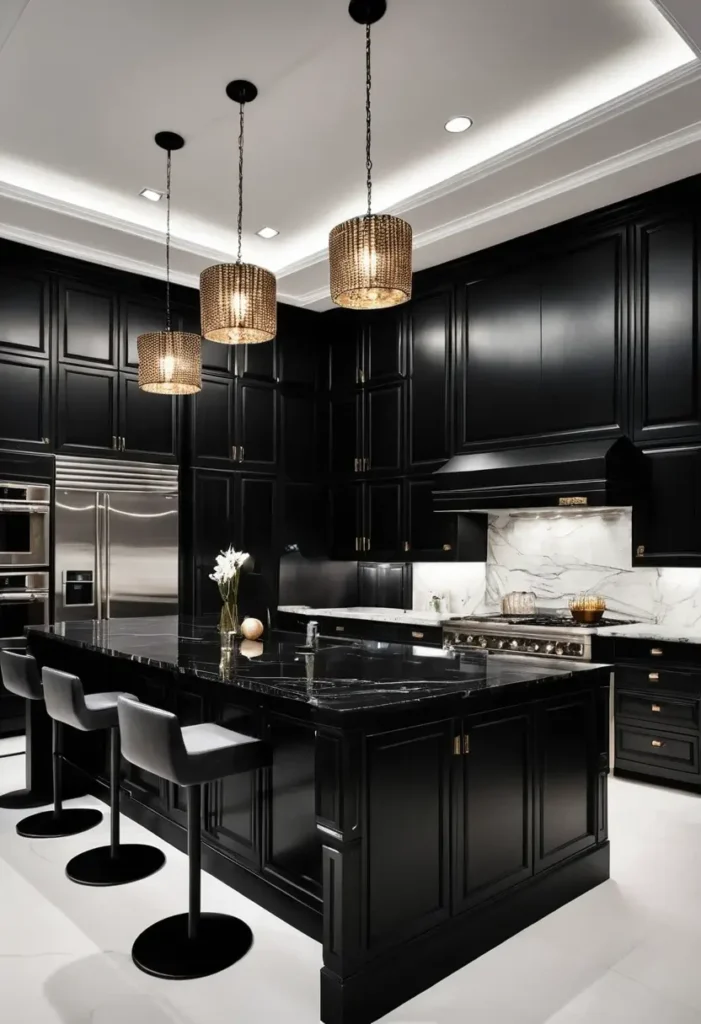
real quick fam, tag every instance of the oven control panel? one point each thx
(540, 646)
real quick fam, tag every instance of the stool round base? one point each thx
(165, 950)
(68, 822)
(99, 867)
(24, 798)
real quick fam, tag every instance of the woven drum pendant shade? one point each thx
(238, 304)
(370, 261)
(169, 363)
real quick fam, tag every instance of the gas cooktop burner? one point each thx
(545, 620)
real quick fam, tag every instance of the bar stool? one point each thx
(20, 674)
(191, 945)
(68, 704)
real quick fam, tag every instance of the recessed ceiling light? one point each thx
(267, 232)
(151, 193)
(458, 124)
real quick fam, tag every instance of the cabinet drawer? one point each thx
(658, 709)
(657, 652)
(658, 748)
(658, 680)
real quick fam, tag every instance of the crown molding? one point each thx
(676, 25)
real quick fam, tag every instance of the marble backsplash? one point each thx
(557, 558)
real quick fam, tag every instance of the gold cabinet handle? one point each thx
(457, 747)
(418, 636)
(340, 629)
(655, 707)
(653, 676)
(356, 543)
(447, 547)
(114, 440)
(466, 744)
(656, 652)
(242, 453)
(657, 743)
(407, 545)
(355, 464)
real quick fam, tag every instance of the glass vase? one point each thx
(229, 619)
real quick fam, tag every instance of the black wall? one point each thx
(587, 329)
(249, 445)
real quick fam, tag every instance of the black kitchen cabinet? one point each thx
(382, 356)
(499, 368)
(345, 432)
(302, 351)
(429, 329)
(565, 778)
(259, 361)
(583, 351)
(216, 358)
(24, 311)
(382, 447)
(402, 856)
(147, 421)
(666, 526)
(304, 514)
(140, 316)
(213, 421)
(301, 441)
(346, 519)
(232, 816)
(344, 335)
(25, 419)
(88, 317)
(256, 423)
(254, 518)
(382, 528)
(494, 783)
(87, 409)
(667, 383)
(440, 536)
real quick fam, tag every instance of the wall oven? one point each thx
(24, 601)
(25, 525)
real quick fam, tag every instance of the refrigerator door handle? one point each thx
(98, 556)
(106, 547)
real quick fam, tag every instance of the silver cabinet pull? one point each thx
(418, 636)
(655, 707)
(242, 455)
(233, 452)
(340, 629)
(653, 676)
(124, 443)
(114, 441)
(657, 743)
(656, 652)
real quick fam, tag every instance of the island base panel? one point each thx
(387, 982)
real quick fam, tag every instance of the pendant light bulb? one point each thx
(170, 362)
(238, 300)
(370, 255)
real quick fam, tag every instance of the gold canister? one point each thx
(587, 608)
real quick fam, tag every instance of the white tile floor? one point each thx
(629, 951)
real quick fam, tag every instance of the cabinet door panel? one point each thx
(345, 418)
(384, 356)
(88, 324)
(232, 804)
(302, 349)
(255, 519)
(408, 781)
(139, 317)
(431, 535)
(499, 384)
(669, 525)
(147, 421)
(258, 360)
(213, 421)
(256, 432)
(667, 354)
(304, 519)
(384, 433)
(496, 789)
(346, 524)
(566, 779)
(299, 435)
(384, 518)
(24, 400)
(583, 365)
(429, 330)
(24, 304)
(344, 333)
(214, 503)
(87, 408)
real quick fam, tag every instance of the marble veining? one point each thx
(461, 584)
(340, 676)
(394, 615)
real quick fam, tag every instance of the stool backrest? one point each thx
(152, 739)
(20, 674)
(64, 697)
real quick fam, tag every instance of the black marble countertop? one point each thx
(340, 676)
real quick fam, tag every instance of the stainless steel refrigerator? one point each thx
(116, 539)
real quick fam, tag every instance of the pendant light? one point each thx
(238, 300)
(169, 361)
(370, 256)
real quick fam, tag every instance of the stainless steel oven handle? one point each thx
(21, 506)
(36, 596)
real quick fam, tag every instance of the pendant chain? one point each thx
(240, 220)
(168, 316)
(368, 117)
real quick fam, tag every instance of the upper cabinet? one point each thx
(87, 323)
(667, 385)
(382, 348)
(24, 312)
(139, 316)
(429, 321)
(544, 349)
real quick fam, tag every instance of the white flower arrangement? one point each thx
(228, 565)
(227, 570)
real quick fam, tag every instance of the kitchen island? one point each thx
(421, 807)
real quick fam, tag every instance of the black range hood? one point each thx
(574, 475)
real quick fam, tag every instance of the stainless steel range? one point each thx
(545, 636)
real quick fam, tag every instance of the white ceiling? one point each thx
(575, 105)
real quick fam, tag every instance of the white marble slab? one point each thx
(648, 631)
(460, 584)
(396, 615)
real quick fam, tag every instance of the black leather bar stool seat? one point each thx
(20, 674)
(191, 945)
(68, 704)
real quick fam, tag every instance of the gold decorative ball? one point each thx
(252, 628)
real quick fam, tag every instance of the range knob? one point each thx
(469, 638)
(514, 644)
(500, 644)
(534, 647)
(549, 648)
(559, 650)
(482, 641)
